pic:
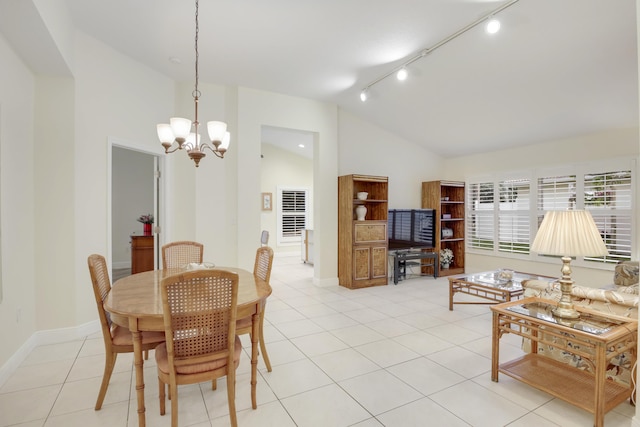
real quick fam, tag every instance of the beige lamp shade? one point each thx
(569, 233)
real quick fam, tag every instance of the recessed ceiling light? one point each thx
(175, 60)
(301, 145)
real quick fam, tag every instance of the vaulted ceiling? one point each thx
(556, 69)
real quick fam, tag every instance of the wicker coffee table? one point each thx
(489, 286)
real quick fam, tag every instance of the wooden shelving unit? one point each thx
(362, 245)
(447, 198)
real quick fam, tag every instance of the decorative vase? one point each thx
(361, 211)
(147, 229)
(444, 266)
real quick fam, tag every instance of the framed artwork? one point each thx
(266, 201)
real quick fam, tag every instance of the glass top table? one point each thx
(595, 338)
(491, 286)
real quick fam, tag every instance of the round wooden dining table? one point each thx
(135, 302)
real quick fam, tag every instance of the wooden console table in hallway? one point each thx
(142, 253)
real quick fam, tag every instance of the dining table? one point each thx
(135, 302)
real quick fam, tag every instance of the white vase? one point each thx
(361, 211)
(444, 266)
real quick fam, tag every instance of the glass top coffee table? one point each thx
(491, 286)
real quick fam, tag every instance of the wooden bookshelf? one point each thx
(447, 198)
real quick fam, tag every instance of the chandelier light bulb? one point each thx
(180, 127)
(216, 130)
(493, 26)
(402, 74)
(225, 142)
(165, 134)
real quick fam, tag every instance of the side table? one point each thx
(142, 253)
(489, 287)
(593, 337)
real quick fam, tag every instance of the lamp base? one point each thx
(565, 313)
(565, 308)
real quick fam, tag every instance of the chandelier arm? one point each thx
(219, 153)
(167, 151)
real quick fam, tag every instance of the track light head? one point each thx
(402, 74)
(363, 95)
(492, 26)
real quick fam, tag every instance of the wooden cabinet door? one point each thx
(142, 253)
(378, 262)
(361, 262)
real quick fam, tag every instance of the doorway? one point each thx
(134, 193)
(287, 177)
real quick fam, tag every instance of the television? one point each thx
(411, 228)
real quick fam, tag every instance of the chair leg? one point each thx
(161, 395)
(146, 355)
(263, 347)
(109, 364)
(214, 384)
(231, 397)
(173, 391)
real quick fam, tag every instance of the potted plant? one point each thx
(446, 256)
(147, 221)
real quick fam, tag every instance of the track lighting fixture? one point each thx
(492, 26)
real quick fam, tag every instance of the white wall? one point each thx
(257, 108)
(115, 97)
(282, 168)
(17, 94)
(369, 150)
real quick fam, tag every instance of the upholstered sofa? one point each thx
(618, 298)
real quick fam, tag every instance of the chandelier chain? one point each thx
(196, 92)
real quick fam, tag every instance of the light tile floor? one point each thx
(382, 356)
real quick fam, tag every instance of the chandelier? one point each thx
(178, 130)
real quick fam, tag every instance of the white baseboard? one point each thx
(52, 336)
(326, 282)
(121, 264)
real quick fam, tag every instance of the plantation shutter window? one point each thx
(505, 210)
(292, 215)
(607, 196)
(480, 228)
(513, 216)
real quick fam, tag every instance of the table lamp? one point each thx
(568, 234)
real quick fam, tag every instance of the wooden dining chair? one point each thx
(199, 309)
(261, 270)
(116, 338)
(178, 254)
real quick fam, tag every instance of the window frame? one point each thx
(281, 239)
(580, 170)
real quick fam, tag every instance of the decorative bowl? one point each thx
(198, 266)
(362, 195)
(505, 274)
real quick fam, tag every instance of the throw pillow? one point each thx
(626, 273)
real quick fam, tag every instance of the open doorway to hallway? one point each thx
(287, 180)
(134, 193)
